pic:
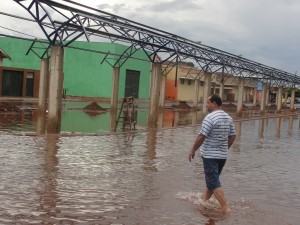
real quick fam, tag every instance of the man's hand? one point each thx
(191, 155)
(198, 142)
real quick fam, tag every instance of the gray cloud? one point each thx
(264, 31)
(176, 5)
(114, 8)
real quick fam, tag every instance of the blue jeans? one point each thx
(212, 171)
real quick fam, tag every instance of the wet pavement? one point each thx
(144, 177)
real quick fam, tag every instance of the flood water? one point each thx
(144, 177)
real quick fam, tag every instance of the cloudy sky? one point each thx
(265, 31)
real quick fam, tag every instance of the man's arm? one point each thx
(230, 140)
(198, 142)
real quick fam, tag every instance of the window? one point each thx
(189, 82)
(182, 81)
(29, 84)
(12, 83)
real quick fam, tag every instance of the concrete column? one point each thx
(221, 92)
(114, 98)
(1, 64)
(286, 94)
(279, 99)
(55, 89)
(196, 94)
(292, 101)
(194, 117)
(162, 92)
(268, 95)
(154, 94)
(263, 98)
(43, 88)
(240, 97)
(115, 88)
(254, 96)
(276, 101)
(214, 88)
(206, 90)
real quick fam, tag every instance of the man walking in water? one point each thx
(214, 139)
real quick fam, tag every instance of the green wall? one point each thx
(17, 50)
(84, 75)
(139, 65)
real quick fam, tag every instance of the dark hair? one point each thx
(216, 98)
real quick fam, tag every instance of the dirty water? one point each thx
(144, 177)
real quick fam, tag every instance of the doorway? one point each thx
(132, 83)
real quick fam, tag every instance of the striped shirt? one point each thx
(216, 127)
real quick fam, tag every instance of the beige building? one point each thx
(180, 84)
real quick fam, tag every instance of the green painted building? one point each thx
(86, 73)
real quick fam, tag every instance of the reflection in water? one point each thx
(151, 149)
(291, 123)
(160, 120)
(210, 222)
(113, 120)
(238, 129)
(277, 126)
(171, 119)
(48, 194)
(194, 117)
(180, 118)
(153, 119)
(17, 121)
(133, 178)
(41, 123)
(261, 128)
(75, 120)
